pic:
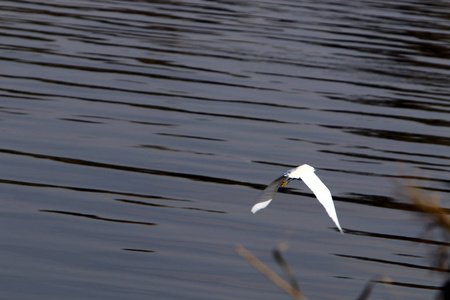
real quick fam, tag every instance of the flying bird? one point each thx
(306, 173)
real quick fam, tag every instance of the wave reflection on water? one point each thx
(176, 114)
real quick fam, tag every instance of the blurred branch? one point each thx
(271, 275)
(285, 266)
(429, 204)
(370, 285)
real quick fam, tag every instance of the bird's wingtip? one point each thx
(260, 205)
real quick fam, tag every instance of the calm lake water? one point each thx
(136, 136)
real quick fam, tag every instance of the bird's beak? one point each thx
(284, 183)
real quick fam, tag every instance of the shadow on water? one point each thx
(398, 136)
(169, 206)
(131, 169)
(95, 217)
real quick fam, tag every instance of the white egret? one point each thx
(305, 173)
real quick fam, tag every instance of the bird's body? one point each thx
(306, 174)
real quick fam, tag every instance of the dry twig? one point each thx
(429, 204)
(271, 275)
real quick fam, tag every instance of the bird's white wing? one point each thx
(322, 194)
(267, 195)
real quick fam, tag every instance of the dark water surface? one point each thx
(135, 137)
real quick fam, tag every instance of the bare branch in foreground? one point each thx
(370, 285)
(429, 204)
(285, 266)
(271, 275)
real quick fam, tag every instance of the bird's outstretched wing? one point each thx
(322, 194)
(267, 195)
